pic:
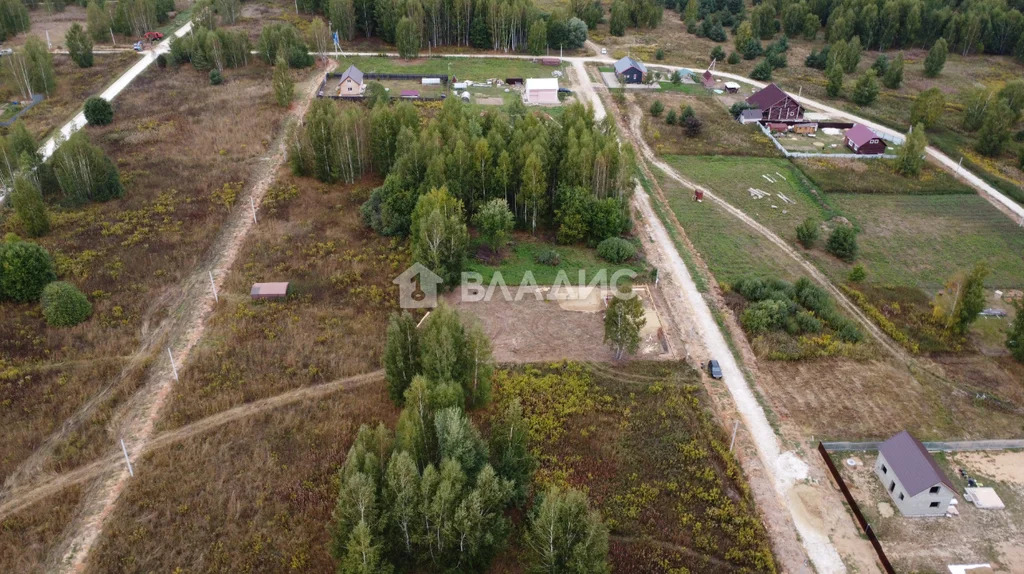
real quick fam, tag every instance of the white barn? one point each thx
(541, 91)
(913, 479)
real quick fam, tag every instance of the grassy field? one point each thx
(721, 134)
(477, 69)
(877, 176)
(922, 241)
(26, 538)
(252, 496)
(129, 254)
(331, 326)
(74, 85)
(730, 249)
(573, 259)
(640, 440)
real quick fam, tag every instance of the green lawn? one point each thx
(477, 69)
(923, 240)
(731, 249)
(693, 89)
(521, 258)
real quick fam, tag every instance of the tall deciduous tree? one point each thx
(995, 128)
(927, 108)
(84, 172)
(566, 536)
(28, 204)
(536, 40)
(619, 18)
(1015, 337)
(401, 355)
(911, 156)
(439, 236)
(970, 299)
(343, 18)
(79, 45)
(834, 75)
(623, 320)
(284, 86)
(494, 221)
(407, 38)
(936, 58)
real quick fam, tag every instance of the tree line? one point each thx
(434, 493)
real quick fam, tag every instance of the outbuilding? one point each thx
(776, 104)
(807, 128)
(269, 290)
(914, 481)
(732, 87)
(630, 71)
(409, 94)
(863, 141)
(750, 116)
(707, 79)
(541, 91)
(778, 127)
(351, 83)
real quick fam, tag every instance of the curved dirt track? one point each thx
(18, 500)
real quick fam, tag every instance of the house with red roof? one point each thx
(776, 105)
(863, 141)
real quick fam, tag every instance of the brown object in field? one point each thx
(698, 195)
(809, 128)
(269, 291)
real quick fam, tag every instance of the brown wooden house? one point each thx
(862, 140)
(776, 105)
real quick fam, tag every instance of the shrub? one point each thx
(843, 243)
(64, 305)
(659, 54)
(548, 257)
(734, 58)
(807, 232)
(763, 71)
(161, 61)
(657, 107)
(98, 112)
(692, 126)
(764, 316)
(857, 274)
(616, 250)
(25, 269)
(670, 118)
(215, 77)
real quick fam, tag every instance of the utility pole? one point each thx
(214, 287)
(252, 204)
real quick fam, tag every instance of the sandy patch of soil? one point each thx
(1001, 466)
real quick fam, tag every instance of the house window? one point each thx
(933, 490)
(934, 504)
(892, 486)
(901, 496)
(884, 470)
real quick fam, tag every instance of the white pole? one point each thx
(173, 368)
(49, 46)
(735, 426)
(128, 461)
(214, 287)
(959, 165)
(252, 204)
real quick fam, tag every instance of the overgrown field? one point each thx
(177, 142)
(720, 135)
(74, 86)
(331, 326)
(252, 496)
(877, 177)
(26, 538)
(641, 442)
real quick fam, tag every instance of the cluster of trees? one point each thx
(991, 114)
(27, 275)
(434, 493)
(13, 18)
(634, 14)
(685, 118)
(798, 308)
(31, 68)
(208, 49)
(572, 175)
(127, 17)
(623, 321)
(484, 24)
(841, 242)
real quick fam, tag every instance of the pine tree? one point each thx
(865, 91)
(79, 46)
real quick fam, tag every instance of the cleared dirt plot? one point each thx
(74, 86)
(642, 443)
(177, 142)
(720, 135)
(252, 496)
(929, 544)
(26, 537)
(559, 323)
(332, 324)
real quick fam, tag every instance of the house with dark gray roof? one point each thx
(915, 482)
(630, 71)
(351, 83)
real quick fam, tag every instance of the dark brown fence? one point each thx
(856, 510)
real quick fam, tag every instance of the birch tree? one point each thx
(565, 536)
(622, 323)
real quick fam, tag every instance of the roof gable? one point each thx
(860, 134)
(354, 73)
(913, 465)
(627, 63)
(767, 97)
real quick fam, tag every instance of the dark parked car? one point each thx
(714, 370)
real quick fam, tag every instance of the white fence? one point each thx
(799, 154)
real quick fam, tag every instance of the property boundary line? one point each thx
(886, 565)
(801, 154)
(375, 76)
(952, 446)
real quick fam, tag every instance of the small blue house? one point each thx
(630, 71)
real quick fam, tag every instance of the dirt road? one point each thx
(139, 416)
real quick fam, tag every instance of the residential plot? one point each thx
(476, 69)
(720, 133)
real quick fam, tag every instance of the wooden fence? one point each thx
(886, 565)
